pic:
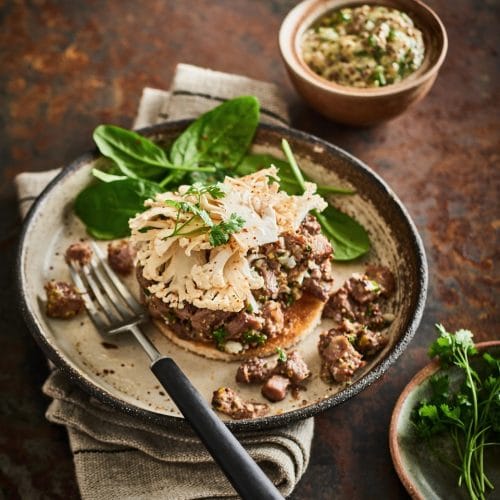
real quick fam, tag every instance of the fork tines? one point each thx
(115, 308)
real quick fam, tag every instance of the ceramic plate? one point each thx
(119, 374)
(423, 475)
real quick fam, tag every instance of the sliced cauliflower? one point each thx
(186, 268)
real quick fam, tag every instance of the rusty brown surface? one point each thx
(67, 66)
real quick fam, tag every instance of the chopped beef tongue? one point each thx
(227, 401)
(241, 323)
(253, 371)
(370, 343)
(340, 359)
(274, 318)
(275, 388)
(157, 308)
(204, 321)
(121, 257)
(277, 378)
(78, 252)
(63, 300)
(383, 277)
(311, 225)
(294, 368)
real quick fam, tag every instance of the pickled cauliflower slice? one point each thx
(175, 238)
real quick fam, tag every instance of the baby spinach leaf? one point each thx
(105, 208)
(219, 137)
(253, 162)
(348, 238)
(135, 155)
(107, 177)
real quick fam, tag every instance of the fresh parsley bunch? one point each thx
(468, 414)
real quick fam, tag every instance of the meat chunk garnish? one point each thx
(370, 343)
(157, 308)
(294, 368)
(227, 401)
(253, 371)
(241, 323)
(340, 359)
(321, 248)
(383, 277)
(277, 377)
(311, 225)
(121, 257)
(204, 321)
(274, 318)
(362, 289)
(275, 388)
(63, 300)
(80, 253)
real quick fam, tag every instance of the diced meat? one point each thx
(157, 308)
(321, 249)
(204, 321)
(294, 368)
(271, 285)
(339, 356)
(339, 306)
(384, 277)
(253, 371)
(297, 245)
(185, 313)
(362, 289)
(121, 257)
(274, 319)
(63, 300)
(275, 388)
(310, 225)
(227, 401)
(370, 343)
(241, 323)
(317, 288)
(79, 252)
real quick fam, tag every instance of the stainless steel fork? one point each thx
(116, 310)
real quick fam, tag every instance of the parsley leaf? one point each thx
(219, 335)
(281, 354)
(468, 414)
(254, 337)
(220, 233)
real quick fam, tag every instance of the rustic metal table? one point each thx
(67, 66)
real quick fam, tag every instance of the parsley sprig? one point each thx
(220, 233)
(470, 415)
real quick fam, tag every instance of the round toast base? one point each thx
(301, 319)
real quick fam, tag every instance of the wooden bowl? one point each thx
(355, 106)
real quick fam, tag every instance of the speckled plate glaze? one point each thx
(116, 371)
(420, 471)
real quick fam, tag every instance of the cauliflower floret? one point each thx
(185, 268)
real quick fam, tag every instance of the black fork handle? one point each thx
(245, 475)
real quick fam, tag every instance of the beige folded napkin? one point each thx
(125, 457)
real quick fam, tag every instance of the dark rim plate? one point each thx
(395, 215)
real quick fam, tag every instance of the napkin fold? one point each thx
(117, 455)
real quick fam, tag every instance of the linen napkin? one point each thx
(121, 456)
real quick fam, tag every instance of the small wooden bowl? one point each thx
(352, 105)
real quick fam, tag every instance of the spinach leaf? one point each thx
(107, 177)
(135, 155)
(253, 162)
(219, 137)
(348, 238)
(105, 208)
